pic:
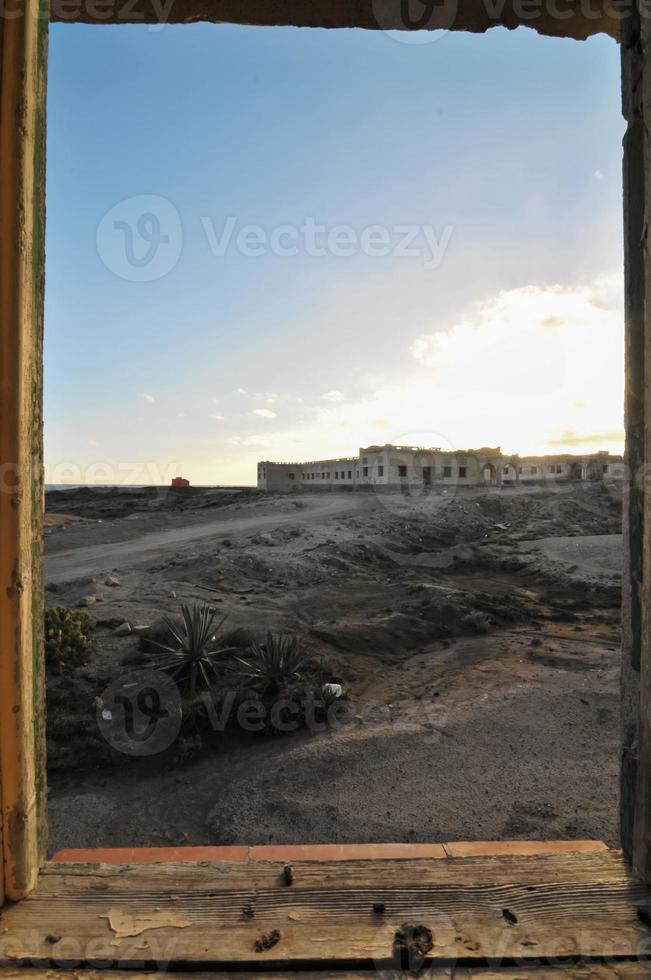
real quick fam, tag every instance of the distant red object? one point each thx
(179, 481)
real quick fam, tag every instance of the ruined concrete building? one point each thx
(394, 467)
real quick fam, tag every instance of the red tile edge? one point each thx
(344, 852)
(149, 855)
(480, 848)
(322, 852)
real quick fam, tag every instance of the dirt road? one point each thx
(140, 548)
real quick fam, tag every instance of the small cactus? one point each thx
(68, 641)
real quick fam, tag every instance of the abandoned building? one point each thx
(394, 467)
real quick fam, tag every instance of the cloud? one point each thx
(333, 396)
(532, 339)
(524, 368)
(93, 442)
(598, 175)
(268, 397)
(146, 397)
(568, 437)
(493, 335)
(264, 413)
(551, 322)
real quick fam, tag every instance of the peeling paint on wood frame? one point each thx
(22, 221)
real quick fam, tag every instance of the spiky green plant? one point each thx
(193, 650)
(68, 641)
(273, 663)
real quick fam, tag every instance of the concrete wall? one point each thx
(329, 472)
(279, 476)
(533, 469)
(411, 467)
(406, 466)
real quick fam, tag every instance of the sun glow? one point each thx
(535, 370)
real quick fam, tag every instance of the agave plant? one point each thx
(270, 664)
(192, 650)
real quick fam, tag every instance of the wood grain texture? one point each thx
(632, 63)
(587, 971)
(642, 433)
(22, 220)
(563, 18)
(501, 908)
(319, 852)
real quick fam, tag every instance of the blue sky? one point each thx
(504, 149)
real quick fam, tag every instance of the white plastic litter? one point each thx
(332, 691)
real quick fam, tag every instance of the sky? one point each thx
(284, 244)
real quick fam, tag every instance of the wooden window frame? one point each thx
(23, 61)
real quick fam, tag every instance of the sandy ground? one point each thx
(448, 733)
(592, 555)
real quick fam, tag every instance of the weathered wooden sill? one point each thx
(508, 913)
